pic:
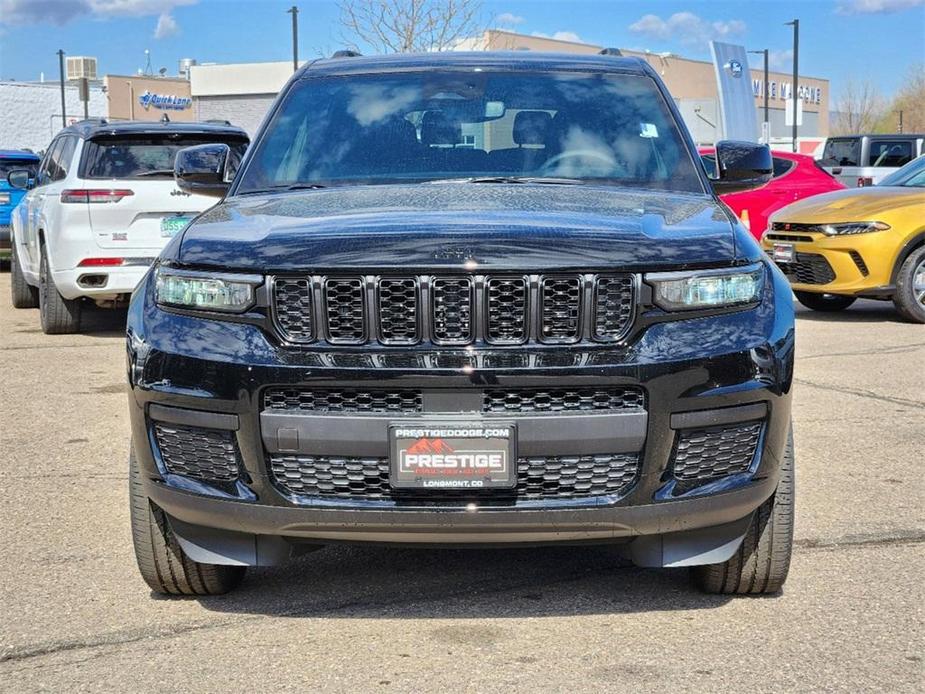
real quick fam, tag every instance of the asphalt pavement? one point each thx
(77, 617)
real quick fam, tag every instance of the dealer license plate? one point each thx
(783, 253)
(171, 226)
(452, 456)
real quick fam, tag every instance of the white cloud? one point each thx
(560, 36)
(780, 59)
(876, 6)
(508, 18)
(63, 11)
(687, 28)
(166, 26)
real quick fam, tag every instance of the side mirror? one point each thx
(19, 178)
(741, 166)
(204, 169)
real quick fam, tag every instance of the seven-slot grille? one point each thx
(540, 477)
(454, 310)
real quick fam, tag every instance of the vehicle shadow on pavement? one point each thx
(374, 582)
(860, 312)
(103, 322)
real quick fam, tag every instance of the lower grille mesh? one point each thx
(705, 454)
(809, 268)
(557, 477)
(207, 454)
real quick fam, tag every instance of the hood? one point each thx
(466, 226)
(851, 205)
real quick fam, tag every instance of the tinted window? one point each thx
(709, 163)
(7, 165)
(890, 153)
(843, 152)
(912, 175)
(144, 157)
(65, 156)
(423, 126)
(782, 166)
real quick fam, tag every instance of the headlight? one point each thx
(851, 228)
(205, 291)
(682, 291)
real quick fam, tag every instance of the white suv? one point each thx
(103, 205)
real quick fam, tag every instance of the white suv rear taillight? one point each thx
(94, 195)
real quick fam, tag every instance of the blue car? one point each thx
(11, 159)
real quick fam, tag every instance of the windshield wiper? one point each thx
(284, 186)
(549, 180)
(156, 172)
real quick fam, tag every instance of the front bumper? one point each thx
(214, 373)
(858, 264)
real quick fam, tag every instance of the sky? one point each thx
(879, 40)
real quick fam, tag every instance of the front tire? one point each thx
(825, 302)
(760, 565)
(910, 287)
(23, 294)
(163, 564)
(59, 315)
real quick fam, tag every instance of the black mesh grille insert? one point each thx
(561, 302)
(705, 454)
(859, 261)
(452, 310)
(329, 400)
(293, 306)
(562, 400)
(208, 454)
(398, 311)
(613, 306)
(344, 310)
(507, 310)
(809, 268)
(561, 477)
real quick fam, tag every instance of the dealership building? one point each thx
(242, 93)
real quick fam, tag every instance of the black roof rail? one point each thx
(610, 51)
(90, 121)
(217, 121)
(346, 53)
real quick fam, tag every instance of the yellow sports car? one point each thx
(856, 243)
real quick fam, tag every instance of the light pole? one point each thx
(294, 11)
(63, 106)
(767, 120)
(796, 74)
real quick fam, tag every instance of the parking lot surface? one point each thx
(77, 617)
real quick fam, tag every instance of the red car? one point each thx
(796, 176)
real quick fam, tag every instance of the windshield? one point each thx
(145, 157)
(425, 126)
(912, 175)
(7, 165)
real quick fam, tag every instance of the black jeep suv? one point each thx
(464, 299)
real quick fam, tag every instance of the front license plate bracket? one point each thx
(453, 456)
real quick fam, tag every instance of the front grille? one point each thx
(613, 306)
(207, 454)
(558, 477)
(561, 299)
(507, 311)
(809, 268)
(562, 400)
(344, 311)
(794, 226)
(406, 401)
(713, 452)
(448, 310)
(411, 401)
(792, 238)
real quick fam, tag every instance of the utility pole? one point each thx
(767, 93)
(294, 11)
(63, 106)
(900, 121)
(796, 74)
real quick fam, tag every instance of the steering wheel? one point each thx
(575, 154)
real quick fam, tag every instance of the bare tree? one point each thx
(409, 26)
(858, 109)
(910, 102)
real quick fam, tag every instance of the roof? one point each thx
(94, 127)
(504, 60)
(18, 154)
